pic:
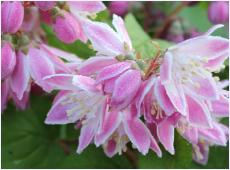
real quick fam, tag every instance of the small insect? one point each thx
(155, 62)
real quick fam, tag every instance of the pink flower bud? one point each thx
(8, 60)
(67, 28)
(218, 12)
(45, 5)
(119, 7)
(12, 16)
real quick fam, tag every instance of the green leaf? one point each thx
(142, 43)
(29, 143)
(181, 159)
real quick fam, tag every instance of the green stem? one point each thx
(63, 132)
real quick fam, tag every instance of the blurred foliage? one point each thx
(29, 143)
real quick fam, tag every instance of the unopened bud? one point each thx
(8, 60)
(66, 27)
(12, 16)
(218, 12)
(119, 7)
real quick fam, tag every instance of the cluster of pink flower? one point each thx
(108, 94)
(25, 57)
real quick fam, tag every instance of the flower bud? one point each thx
(66, 27)
(218, 12)
(12, 16)
(119, 7)
(8, 60)
(45, 5)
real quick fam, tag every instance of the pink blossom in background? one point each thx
(218, 12)
(119, 7)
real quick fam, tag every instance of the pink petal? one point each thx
(95, 64)
(213, 29)
(109, 85)
(57, 114)
(40, 66)
(60, 53)
(126, 88)
(86, 6)
(61, 81)
(163, 98)
(155, 147)
(166, 67)
(87, 133)
(165, 132)
(119, 25)
(207, 87)
(144, 89)
(85, 83)
(112, 71)
(110, 123)
(103, 38)
(4, 94)
(8, 60)
(110, 148)
(216, 63)
(55, 56)
(20, 76)
(215, 134)
(191, 135)
(220, 108)
(23, 103)
(205, 46)
(176, 95)
(198, 113)
(201, 152)
(138, 134)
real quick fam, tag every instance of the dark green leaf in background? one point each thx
(28, 143)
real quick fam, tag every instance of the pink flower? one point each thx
(190, 76)
(12, 16)
(106, 41)
(119, 7)
(8, 60)
(45, 5)
(218, 12)
(84, 102)
(118, 78)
